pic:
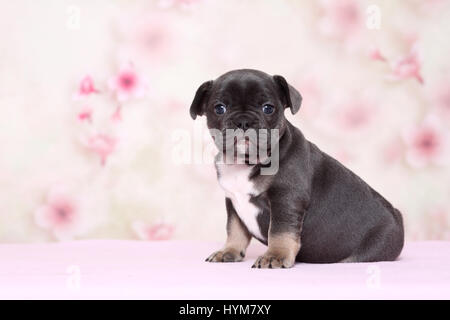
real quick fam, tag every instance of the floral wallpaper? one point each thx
(96, 140)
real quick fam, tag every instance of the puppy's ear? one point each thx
(197, 106)
(292, 97)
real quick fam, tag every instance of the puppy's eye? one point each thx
(220, 109)
(268, 109)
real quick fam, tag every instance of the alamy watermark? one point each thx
(73, 281)
(373, 280)
(373, 20)
(230, 146)
(73, 17)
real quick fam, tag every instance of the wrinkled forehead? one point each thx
(244, 89)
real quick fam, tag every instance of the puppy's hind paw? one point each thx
(226, 255)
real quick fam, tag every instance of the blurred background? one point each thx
(96, 140)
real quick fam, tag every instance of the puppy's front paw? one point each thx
(273, 261)
(226, 255)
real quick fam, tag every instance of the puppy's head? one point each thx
(245, 101)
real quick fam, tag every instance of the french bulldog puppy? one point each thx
(311, 209)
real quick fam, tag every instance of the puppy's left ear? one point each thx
(292, 97)
(197, 106)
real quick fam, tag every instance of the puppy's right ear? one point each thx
(202, 94)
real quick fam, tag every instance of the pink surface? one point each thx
(176, 270)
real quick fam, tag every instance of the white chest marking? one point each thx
(233, 178)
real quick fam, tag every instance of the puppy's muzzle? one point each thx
(243, 122)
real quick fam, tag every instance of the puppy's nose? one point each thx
(242, 123)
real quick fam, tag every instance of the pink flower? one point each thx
(426, 143)
(60, 214)
(151, 37)
(354, 115)
(85, 114)
(375, 54)
(407, 67)
(158, 231)
(392, 151)
(117, 115)
(86, 87)
(101, 144)
(441, 97)
(127, 84)
(341, 18)
(154, 38)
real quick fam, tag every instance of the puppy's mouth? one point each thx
(244, 147)
(246, 150)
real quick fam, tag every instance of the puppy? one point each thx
(310, 208)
